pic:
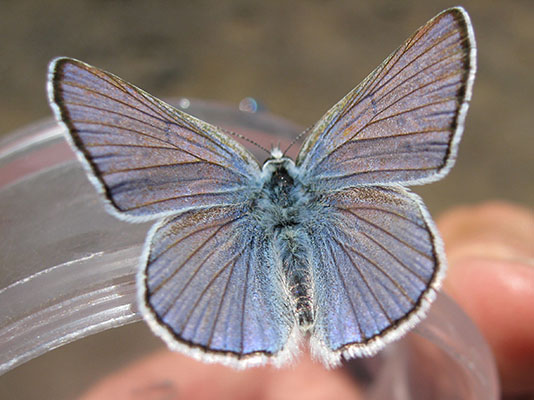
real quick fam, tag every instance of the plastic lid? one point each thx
(68, 268)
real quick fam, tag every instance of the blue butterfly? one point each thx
(246, 260)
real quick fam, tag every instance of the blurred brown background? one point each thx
(298, 58)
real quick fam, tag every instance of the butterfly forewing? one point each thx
(211, 283)
(147, 158)
(403, 122)
(376, 265)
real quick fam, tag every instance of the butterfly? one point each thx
(244, 261)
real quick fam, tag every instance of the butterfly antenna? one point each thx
(299, 136)
(232, 133)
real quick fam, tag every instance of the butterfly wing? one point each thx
(402, 124)
(376, 264)
(378, 260)
(212, 288)
(147, 158)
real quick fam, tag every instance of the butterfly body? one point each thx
(288, 211)
(246, 261)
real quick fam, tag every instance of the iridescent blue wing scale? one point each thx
(208, 283)
(378, 262)
(147, 158)
(376, 265)
(402, 124)
(212, 288)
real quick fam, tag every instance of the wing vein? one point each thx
(146, 123)
(117, 171)
(389, 234)
(416, 57)
(379, 268)
(185, 196)
(220, 226)
(377, 82)
(344, 283)
(164, 118)
(243, 306)
(223, 296)
(419, 277)
(365, 281)
(203, 292)
(377, 170)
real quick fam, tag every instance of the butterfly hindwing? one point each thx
(211, 287)
(147, 158)
(402, 124)
(376, 266)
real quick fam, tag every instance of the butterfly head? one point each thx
(278, 162)
(276, 153)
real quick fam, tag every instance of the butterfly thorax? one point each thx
(281, 205)
(282, 196)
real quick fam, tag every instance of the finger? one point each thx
(167, 375)
(491, 251)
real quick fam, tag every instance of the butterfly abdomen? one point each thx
(296, 272)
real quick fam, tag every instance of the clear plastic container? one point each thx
(67, 269)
